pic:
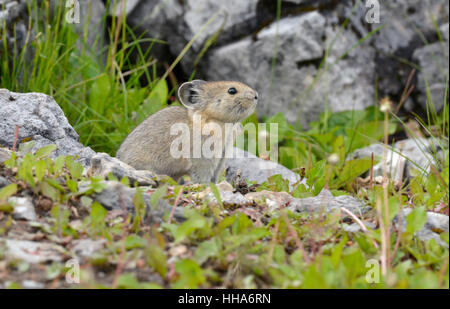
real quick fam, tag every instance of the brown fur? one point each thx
(148, 146)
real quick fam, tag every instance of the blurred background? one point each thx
(110, 64)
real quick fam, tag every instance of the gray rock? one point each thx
(30, 284)
(117, 7)
(347, 83)
(5, 154)
(32, 252)
(401, 22)
(87, 19)
(444, 31)
(229, 198)
(395, 163)
(434, 222)
(327, 202)
(40, 118)
(256, 169)
(403, 159)
(92, 13)
(419, 154)
(405, 27)
(117, 196)
(355, 227)
(14, 24)
(85, 248)
(23, 208)
(235, 19)
(294, 86)
(4, 182)
(299, 45)
(274, 200)
(296, 1)
(437, 221)
(102, 165)
(155, 19)
(434, 63)
(427, 234)
(352, 228)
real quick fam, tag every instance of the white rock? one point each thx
(39, 117)
(85, 248)
(102, 165)
(32, 252)
(256, 169)
(23, 208)
(30, 284)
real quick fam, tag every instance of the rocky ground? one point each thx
(56, 211)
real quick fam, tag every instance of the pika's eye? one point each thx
(232, 91)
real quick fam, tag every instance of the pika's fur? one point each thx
(148, 146)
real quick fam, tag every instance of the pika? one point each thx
(219, 103)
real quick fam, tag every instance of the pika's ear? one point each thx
(189, 93)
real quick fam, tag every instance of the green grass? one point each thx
(104, 99)
(215, 248)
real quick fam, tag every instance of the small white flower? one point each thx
(386, 105)
(333, 159)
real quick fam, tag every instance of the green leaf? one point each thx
(75, 168)
(72, 185)
(49, 191)
(317, 172)
(128, 281)
(8, 191)
(45, 151)
(196, 221)
(216, 193)
(158, 195)
(86, 201)
(279, 254)
(366, 133)
(140, 209)
(191, 275)
(54, 270)
(300, 191)
(40, 169)
(275, 183)
(133, 241)
(25, 148)
(444, 237)
(207, 249)
(98, 93)
(156, 101)
(394, 203)
(55, 184)
(416, 220)
(59, 164)
(156, 259)
(98, 215)
(337, 251)
(351, 170)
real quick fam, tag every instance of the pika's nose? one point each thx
(256, 95)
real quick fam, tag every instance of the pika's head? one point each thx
(226, 101)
